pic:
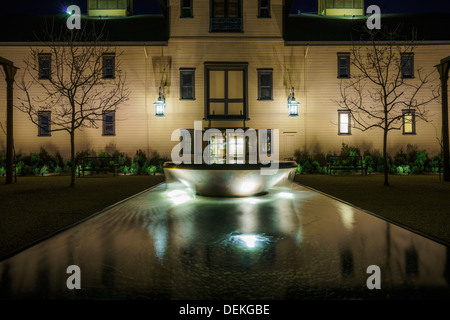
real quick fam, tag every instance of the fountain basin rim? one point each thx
(281, 165)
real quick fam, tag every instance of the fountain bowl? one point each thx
(230, 180)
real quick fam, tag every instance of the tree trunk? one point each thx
(72, 159)
(385, 158)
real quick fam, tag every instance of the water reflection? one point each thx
(171, 244)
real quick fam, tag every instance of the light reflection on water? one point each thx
(171, 244)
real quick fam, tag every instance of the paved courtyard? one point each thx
(287, 244)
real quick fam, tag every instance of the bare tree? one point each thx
(385, 86)
(74, 84)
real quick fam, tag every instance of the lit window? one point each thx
(44, 121)
(265, 141)
(217, 150)
(45, 63)
(265, 84)
(263, 8)
(109, 123)
(407, 65)
(344, 3)
(109, 66)
(409, 122)
(236, 151)
(187, 84)
(344, 122)
(343, 65)
(186, 9)
(107, 4)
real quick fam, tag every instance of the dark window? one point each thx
(187, 84)
(407, 65)
(109, 66)
(186, 9)
(226, 91)
(344, 122)
(109, 123)
(226, 16)
(45, 66)
(265, 85)
(44, 121)
(409, 122)
(343, 65)
(263, 8)
(411, 262)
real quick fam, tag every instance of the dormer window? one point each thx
(226, 16)
(186, 9)
(263, 8)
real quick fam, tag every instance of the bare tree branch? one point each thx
(75, 91)
(377, 93)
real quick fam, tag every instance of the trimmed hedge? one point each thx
(411, 161)
(43, 163)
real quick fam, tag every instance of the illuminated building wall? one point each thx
(259, 48)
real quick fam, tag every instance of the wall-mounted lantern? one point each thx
(160, 104)
(292, 104)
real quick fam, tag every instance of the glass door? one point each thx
(217, 150)
(236, 151)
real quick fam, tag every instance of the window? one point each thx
(44, 121)
(217, 150)
(265, 141)
(236, 149)
(343, 65)
(226, 91)
(265, 84)
(109, 66)
(107, 4)
(344, 122)
(187, 141)
(109, 123)
(344, 4)
(226, 16)
(187, 84)
(263, 8)
(45, 63)
(407, 65)
(186, 9)
(409, 122)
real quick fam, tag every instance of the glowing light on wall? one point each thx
(292, 104)
(160, 104)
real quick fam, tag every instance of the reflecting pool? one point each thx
(168, 243)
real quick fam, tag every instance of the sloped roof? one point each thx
(314, 28)
(297, 28)
(140, 28)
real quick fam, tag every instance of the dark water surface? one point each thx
(287, 244)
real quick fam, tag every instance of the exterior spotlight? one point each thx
(292, 104)
(160, 104)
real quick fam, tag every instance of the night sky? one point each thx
(150, 6)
